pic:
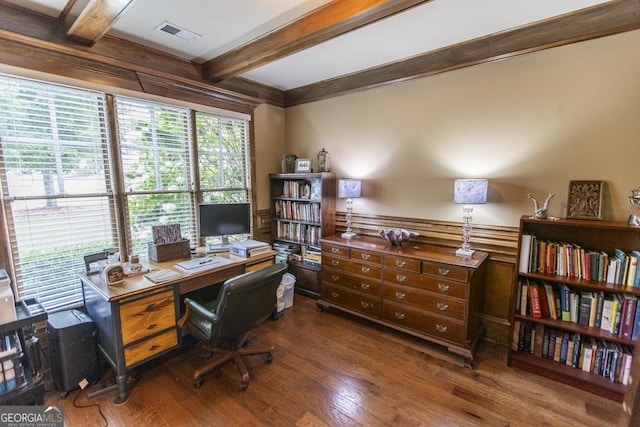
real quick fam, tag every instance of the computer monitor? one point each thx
(222, 220)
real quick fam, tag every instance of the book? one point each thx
(584, 312)
(587, 355)
(594, 309)
(600, 299)
(636, 324)
(628, 314)
(620, 277)
(632, 262)
(523, 299)
(608, 320)
(565, 303)
(525, 253)
(544, 302)
(538, 338)
(564, 348)
(636, 280)
(575, 358)
(534, 299)
(627, 360)
(551, 300)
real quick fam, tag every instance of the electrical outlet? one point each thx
(83, 384)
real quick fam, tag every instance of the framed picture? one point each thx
(303, 165)
(585, 199)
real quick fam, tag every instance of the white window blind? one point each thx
(156, 165)
(223, 160)
(56, 185)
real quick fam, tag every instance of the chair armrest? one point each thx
(193, 305)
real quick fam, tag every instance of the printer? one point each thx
(7, 303)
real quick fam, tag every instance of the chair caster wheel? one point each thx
(244, 385)
(64, 395)
(198, 382)
(269, 358)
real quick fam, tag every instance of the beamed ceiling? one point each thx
(287, 52)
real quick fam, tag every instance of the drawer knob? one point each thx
(401, 278)
(442, 306)
(335, 250)
(152, 326)
(365, 304)
(443, 287)
(444, 271)
(335, 262)
(365, 286)
(400, 295)
(365, 269)
(154, 347)
(399, 315)
(441, 328)
(366, 256)
(335, 277)
(400, 263)
(335, 294)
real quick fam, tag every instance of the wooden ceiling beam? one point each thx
(331, 20)
(88, 21)
(598, 21)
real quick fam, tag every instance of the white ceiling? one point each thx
(224, 25)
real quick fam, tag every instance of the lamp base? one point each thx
(464, 253)
(348, 235)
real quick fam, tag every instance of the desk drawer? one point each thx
(151, 347)
(360, 255)
(147, 316)
(352, 300)
(334, 250)
(425, 322)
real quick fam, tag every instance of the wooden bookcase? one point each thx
(303, 209)
(588, 235)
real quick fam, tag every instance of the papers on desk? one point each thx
(164, 275)
(197, 265)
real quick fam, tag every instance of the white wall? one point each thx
(529, 124)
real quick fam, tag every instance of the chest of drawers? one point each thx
(423, 290)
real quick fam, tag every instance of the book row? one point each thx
(303, 189)
(299, 211)
(615, 313)
(308, 234)
(608, 359)
(571, 260)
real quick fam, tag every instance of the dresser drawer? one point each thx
(445, 306)
(447, 271)
(335, 250)
(408, 264)
(359, 268)
(147, 316)
(425, 322)
(352, 300)
(362, 284)
(149, 348)
(444, 287)
(402, 277)
(363, 255)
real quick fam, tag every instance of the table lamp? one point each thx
(349, 189)
(468, 192)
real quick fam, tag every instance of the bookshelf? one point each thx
(565, 260)
(302, 212)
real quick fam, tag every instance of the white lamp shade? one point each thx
(349, 188)
(470, 191)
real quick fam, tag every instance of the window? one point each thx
(62, 190)
(222, 159)
(156, 165)
(56, 185)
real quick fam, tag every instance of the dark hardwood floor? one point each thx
(332, 370)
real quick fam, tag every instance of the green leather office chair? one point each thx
(223, 324)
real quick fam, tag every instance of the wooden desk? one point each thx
(136, 319)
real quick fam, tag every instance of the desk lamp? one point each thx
(468, 192)
(349, 189)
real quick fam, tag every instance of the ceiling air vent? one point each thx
(174, 30)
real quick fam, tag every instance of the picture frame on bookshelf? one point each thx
(303, 165)
(585, 199)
